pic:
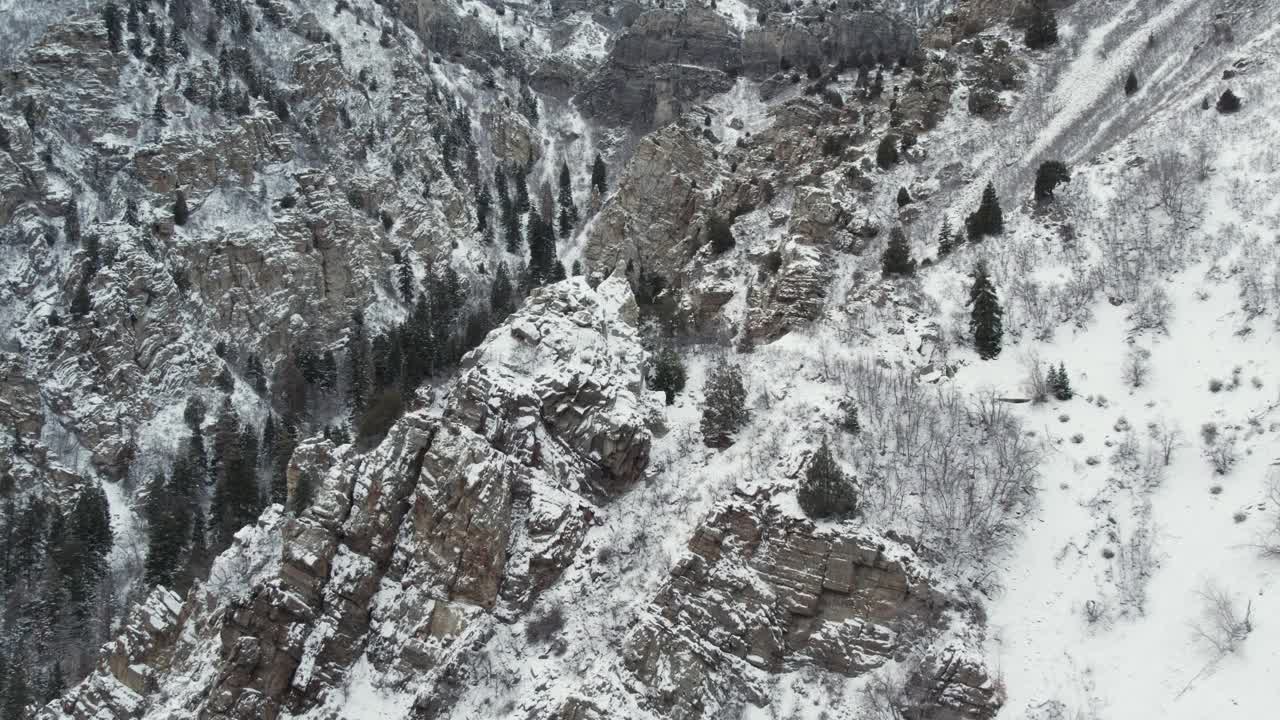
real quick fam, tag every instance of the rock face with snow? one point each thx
(410, 554)
(234, 227)
(669, 60)
(758, 591)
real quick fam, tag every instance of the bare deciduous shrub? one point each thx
(1166, 440)
(1135, 561)
(1137, 366)
(1171, 179)
(1222, 455)
(1152, 310)
(884, 695)
(1037, 383)
(1224, 626)
(1270, 544)
(953, 470)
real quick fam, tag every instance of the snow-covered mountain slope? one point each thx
(472, 517)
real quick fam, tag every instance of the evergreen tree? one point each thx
(986, 319)
(445, 302)
(1060, 382)
(1228, 102)
(904, 197)
(159, 58)
(725, 409)
(849, 421)
(988, 219)
(267, 449)
(418, 349)
(134, 22)
(887, 152)
(1048, 177)
(198, 559)
(719, 234)
(377, 419)
(510, 219)
(1042, 30)
(131, 212)
(256, 375)
(159, 114)
(83, 543)
(669, 374)
(178, 44)
(180, 11)
(56, 685)
(236, 499)
(568, 210)
(93, 252)
(226, 383)
(1131, 83)
(80, 302)
(327, 372)
(358, 377)
(501, 294)
(18, 695)
(303, 493)
(896, 259)
(167, 521)
(180, 211)
(5, 139)
(825, 491)
(522, 205)
(193, 414)
(111, 18)
(405, 277)
(946, 241)
(598, 179)
(483, 202)
(542, 250)
(71, 222)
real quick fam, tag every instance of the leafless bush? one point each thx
(955, 469)
(1222, 455)
(1126, 455)
(1134, 564)
(1270, 544)
(1152, 310)
(1170, 176)
(1166, 440)
(1202, 155)
(884, 696)
(1037, 383)
(1137, 366)
(1223, 626)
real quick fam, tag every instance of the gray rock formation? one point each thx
(759, 591)
(409, 555)
(669, 60)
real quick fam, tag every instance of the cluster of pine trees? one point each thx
(54, 576)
